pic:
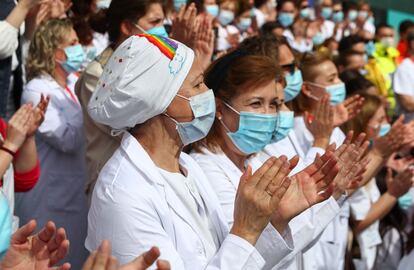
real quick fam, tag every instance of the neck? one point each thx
(60, 76)
(163, 148)
(236, 158)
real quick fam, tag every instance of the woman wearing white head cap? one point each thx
(149, 193)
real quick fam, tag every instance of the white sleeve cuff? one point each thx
(9, 42)
(273, 246)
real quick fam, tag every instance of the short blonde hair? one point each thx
(46, 40)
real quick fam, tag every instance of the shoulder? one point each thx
(42, 84)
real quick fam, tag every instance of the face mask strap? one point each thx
(140, 28)
(231, 108)
(172, 119)
(183, 97)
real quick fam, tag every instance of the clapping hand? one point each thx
(36, 252)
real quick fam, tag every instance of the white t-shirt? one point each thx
(404, 83)
(223, 33)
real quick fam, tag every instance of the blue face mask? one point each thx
(255, 131)
(213, 10)
(293, 85)
(178, 4)
(74, 58)
(406, 201)
(244, 24)
(158, 31)
(326, 12)
(103, 4)
(204, 111)
(318, 39)
(371, 20)
(337, 92)
(338, 16)
(352, 15)
(284, 123)
(363, 14)
(384, 129)
(305, 13)
(5, 225)
(370, 48)
(225, 17)
(286, 19)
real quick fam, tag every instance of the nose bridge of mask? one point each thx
(199, 103)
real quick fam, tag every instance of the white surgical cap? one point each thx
(140, 80)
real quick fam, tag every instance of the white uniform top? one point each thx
(389, 252)
(10, 41)
(369, 239)
(135, 208)
(224, 176)
(59, 194)
(305, 45)
(403, 83)
(329, 251)
(407, 262)
(222, 35)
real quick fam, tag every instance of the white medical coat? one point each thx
(135, 209)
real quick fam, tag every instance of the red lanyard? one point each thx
(72, 96)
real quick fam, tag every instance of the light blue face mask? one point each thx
(158, 31)
(326, 12)
(363, 14)
(103, 4)
(286, 19)
(293, 85)
(225, 17)
(244, 23)
(371, 20)
(204, 111)
(338, 16)
(178, 4)
(318, 39)
(305, 13)
(370, 48)
(384, 129)
(74, 58)
(5, 225)
(406, 201)
(352, 15)
(213, 10)
(255, 131)
(337, 92)
(284, 123)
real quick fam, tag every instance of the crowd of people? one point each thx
(205, 134)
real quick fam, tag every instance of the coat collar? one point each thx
(138, 156)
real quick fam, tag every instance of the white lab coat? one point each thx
(369, 239)
(135, 209)
(389, 252)
(59, 194)
(329, 251)
(407, 262)
(224, 177)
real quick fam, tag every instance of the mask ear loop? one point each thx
(317, 85)
(220, 118)
(140, 28)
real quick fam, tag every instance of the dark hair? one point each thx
(230, 75)
(81, 13)
(348, 5)
(267, 45)
(395, 219)
(405, 25)
(382, 25)
(346, 44)
(123, 10)
(281, 3)
(355, 82)
(267, 28)
(259, 3)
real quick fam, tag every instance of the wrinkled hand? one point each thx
(258, 197)
(400, 184)
(38, 252)
(204, 42)
(102, 260)
(388, 144)
(308, 187)
(58, 9)
(183, 26)
(320, 123)
(351, 163)
(18, 127)
(29, 4)
(347, 110)
(38, 115)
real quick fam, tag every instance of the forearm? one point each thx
(27, 158)
(375, 164)
(5, 161)
(18, 15)
(378, 210)
(406, 102)
(321, 142)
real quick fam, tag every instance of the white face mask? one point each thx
(388, 42)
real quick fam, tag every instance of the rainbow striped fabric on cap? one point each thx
(167, 46)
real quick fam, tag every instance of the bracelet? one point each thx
(8, 151)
